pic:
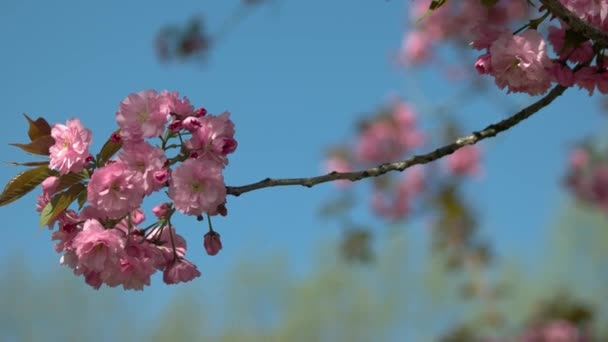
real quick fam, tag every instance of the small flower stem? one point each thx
(172, 240)
(209, 223)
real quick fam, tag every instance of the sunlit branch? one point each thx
(473, 138)
(576, 23)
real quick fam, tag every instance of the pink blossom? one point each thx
(69, 226)
(71, 148)
(580, 54)
(562, 74)
(98, 249)
(114, 190)
(586, 78)
(142, 115)
(48, 190)
(388, 138)
(212, 243)
(465, 161)
(181, 108)
(161, 238)
(415, 48)
(146, 160)
(134, 269)
(180, 271)
(520, 63)
(197, 187)
(213, 139)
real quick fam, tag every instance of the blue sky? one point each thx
(294, 75)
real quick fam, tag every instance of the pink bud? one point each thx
(483, 64)
(191, 123)
(229, 146)
(200, 112)
(161, 210)
(212, 243)
(49, 185)
(161, 176)
(116, 138)
(175, 126)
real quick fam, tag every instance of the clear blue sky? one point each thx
(294, 75)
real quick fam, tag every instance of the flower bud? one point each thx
(212, 243)
(161, 210)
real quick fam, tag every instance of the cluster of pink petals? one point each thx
(148, 161)
(102, 242)
(212, 137)
(520, 62)
(388, 138)
(455, 21)
(122, 256)
(594, 12)
(71, 149)
(145, 114)
(588, 179)
(197, 187)
(115, 189)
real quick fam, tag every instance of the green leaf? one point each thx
(489, 3)
(108, 150)
(23, 183)
(68, 180)
(38, 146)
(59, 203)
(38, 163)
(435, 4)
(82, 199)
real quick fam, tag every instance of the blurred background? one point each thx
(503, 253)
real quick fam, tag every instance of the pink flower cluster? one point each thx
(554, 331)
(455, 21)
(519, 62)
(103, 242)
(587, 177)
(389, 136)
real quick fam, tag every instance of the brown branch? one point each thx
(379, 170)
(576, 23)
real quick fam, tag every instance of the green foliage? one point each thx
(23, 183)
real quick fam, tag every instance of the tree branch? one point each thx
(440, 152)
(576, 23)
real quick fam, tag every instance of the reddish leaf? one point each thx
(23, 183)
(60, 202)
(38, 128)
(39, 146)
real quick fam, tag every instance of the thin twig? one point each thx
(440, 152)
(576, 23)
